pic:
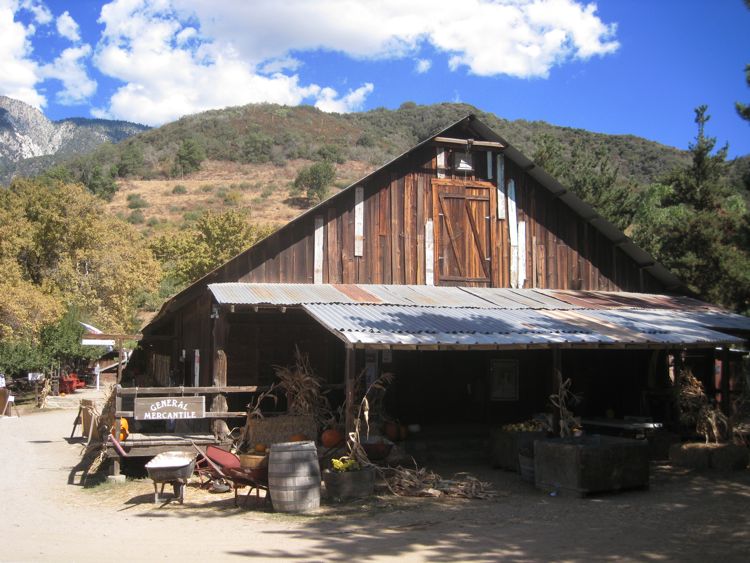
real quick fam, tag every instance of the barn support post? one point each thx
(349, 384)
(726, 403)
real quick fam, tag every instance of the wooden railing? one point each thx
(173, 392)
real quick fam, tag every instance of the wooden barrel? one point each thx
(294, 477)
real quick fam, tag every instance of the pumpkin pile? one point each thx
(526, 426)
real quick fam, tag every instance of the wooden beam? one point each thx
(464, 142)
(98, 336)
(208, 414)
(726, 404)
(133, 391)
(349, 383)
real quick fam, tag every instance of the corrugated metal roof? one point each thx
(418, 315)
(418, 326)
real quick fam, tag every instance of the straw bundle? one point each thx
(274, 429)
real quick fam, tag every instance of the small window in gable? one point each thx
(463, 161)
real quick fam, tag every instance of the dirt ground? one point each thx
(47, 516)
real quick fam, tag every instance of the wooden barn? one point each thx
(469, 273)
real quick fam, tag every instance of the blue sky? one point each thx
(632, 67)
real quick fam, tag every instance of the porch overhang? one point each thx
(469, 318)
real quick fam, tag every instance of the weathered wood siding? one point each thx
(558, 248)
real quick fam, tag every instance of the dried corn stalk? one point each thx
(46, 390)
(695, 408)
(422, 482)
(560, 400)
(303, 388)
(376, 390)
(97, 444)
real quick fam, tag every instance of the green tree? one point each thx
(591, 176)
(315, 180)
(214, 239)
(697, 225)
(256, 147)
(66, 251)
(61, 341)
(131, 159)
(18, 357)
(189, 157)
(744, 109)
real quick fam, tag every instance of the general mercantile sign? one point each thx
(169, 408)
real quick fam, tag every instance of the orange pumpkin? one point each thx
(331, 438)
(124, 429)
(391, 430)
(297, 438)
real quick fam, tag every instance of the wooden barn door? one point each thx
(463, 218)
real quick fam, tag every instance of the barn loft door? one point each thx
(463, 232)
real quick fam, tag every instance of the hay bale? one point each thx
(691, 455)
(276, 429)
(730, 457)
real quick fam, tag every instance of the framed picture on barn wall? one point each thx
(504, 380)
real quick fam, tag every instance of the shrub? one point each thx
(136, 201)
(191, 216)
(136, 217)
(179, 189)
(331, 153)
(232, 197)
(314, 180)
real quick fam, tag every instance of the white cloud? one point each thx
(329, 101)
(41, 13)
(279, 65)
(144, 45)
(70, 69)
(67, 27)
(182, 56)
(422, 66)
(21, 72)
(18, 71)
(523, 38)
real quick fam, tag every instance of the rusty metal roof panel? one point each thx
(403, 325)
(518, 298)
(664, 326)
(428, 296)
(276, 294)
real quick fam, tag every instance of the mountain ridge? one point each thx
(29, 141)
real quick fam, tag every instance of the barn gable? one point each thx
(461, 208)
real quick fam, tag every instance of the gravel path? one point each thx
(683, 517)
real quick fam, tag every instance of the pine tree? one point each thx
(697, 225)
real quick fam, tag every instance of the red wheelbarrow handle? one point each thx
(118, 446)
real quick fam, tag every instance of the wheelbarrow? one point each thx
(172, 468)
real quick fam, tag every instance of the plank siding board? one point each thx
(419, 229)
(359, 220)
(385, 233)
(410, 246)
(271, 262)
(318, 250)
(347, 241)
(397, 226)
